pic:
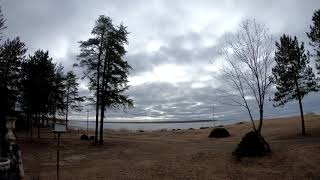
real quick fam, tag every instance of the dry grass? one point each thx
(186, 154)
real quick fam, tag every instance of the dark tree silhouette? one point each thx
(38, 85)
(2, 23)
(115, 74)
(102, 55)
(293, 76)
(3, 101)
(72, 98)
(57, 92)
(91, 56)
(314, 36)
(12, 54)
(11, 57)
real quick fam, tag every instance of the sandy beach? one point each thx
(185, 154)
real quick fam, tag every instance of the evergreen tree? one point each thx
(3, 99)
(2, 23)
(91, 58)
(102, 56)
(115, 74)
(38, 84)
(314, 36)
(11, 56)
(72, 98)
(58, 90)
(293, 76)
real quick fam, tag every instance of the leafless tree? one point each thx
(247, 70)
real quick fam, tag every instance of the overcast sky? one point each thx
(173, 47)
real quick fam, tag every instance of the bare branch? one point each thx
(248, 65)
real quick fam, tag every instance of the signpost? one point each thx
(59, 128)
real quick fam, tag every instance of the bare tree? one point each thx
(247, 69)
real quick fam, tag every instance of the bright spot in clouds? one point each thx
(169, 73)
(153, 45)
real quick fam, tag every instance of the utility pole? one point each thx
(87, 122)
(214, 122)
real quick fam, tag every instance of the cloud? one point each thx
(173, 47)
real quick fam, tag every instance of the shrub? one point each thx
(219, 133)
(84, 137)
(252, 144)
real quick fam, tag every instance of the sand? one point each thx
(185, 154)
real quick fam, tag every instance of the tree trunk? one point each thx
(302, 117)
(103, 92)
(31, 126)
(2, 134)
(301, 109)
(261, 118)
(67, 108)
(97, 114)
(38, 123)
(101, 125)
(98, 90)
(248, 109)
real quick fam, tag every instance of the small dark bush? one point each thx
(219, 133)
(252, 144)
(190, 128)
(204, 127)
(141, 130)
(84, 137)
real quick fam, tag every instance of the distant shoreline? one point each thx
(147, 122)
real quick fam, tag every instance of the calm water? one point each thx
(149, 126)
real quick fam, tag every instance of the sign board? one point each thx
(59, 128)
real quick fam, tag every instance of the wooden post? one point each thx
(58, 145)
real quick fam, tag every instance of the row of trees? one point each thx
(33, 84)
(254, 66)
(41, 88)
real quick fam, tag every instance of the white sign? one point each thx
(60, 128)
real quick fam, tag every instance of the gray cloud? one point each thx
(186, 34)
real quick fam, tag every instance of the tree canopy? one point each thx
(107, 71)
(314, 36)
(293, 77)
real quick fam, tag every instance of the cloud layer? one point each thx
(173, 47)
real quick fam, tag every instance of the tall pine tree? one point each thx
(91, 57)
(72, 98)
(293, 76)
(314, 36)
(38, 85)
(57, 93)
(12, 53)
(11, 57)
(115, 74)
(107, 71)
